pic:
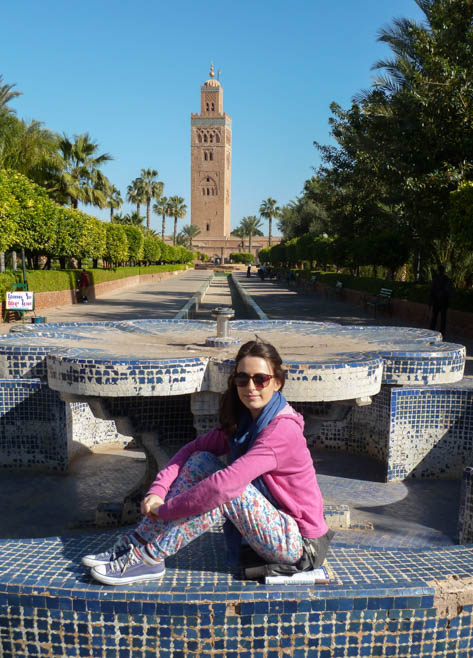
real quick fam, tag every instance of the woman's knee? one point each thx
(204, 460)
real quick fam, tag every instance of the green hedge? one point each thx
(462, 299)
(51, 280)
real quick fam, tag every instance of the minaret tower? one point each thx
(211, 163)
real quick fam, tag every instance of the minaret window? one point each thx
(213, 107)
(207, 107)
(206, 155)
(205, 139)
(211, 155)
(217, 138)
(208, 227)
(211, 138)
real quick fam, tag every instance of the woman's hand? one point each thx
(150, 506)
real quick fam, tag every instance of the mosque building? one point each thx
(211, 178)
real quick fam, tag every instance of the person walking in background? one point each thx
(267, 495)
(439, 299)
(84, 283)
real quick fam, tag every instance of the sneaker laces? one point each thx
(129, 559)
(121, 543)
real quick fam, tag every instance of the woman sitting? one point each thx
(268, 494)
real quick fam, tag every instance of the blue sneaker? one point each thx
(132, 567)
(119, 548)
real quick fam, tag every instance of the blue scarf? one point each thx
(244, 439)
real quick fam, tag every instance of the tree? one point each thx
(150, 189)
(250, 226)
(116, 249)
(406, 143)
(135, 193)
(9, 211)
(190, 232)
(152, 249)
(35, 214)
(80, 178)
(268, 209)
(114, 200)
(7, 95)
(130, 219)
(177, 209)
(239, 233)
(135, 240)
(28, 148)
(162, 208)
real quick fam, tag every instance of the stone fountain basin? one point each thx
(324, 361)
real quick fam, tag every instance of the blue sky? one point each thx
(129, 73)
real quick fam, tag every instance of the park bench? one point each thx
(382, 299)
(337, 290)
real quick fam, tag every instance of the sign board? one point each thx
(20, 301)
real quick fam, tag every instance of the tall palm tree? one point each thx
(268, 209)
(162, 208)
(238, 233)
(135, 193)
(177, 209)
(151, 188)
(190, 232)
(81, 178)
(115, 200)
(250, 226)
(6, 95)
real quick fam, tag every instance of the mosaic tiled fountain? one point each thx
(394, 394)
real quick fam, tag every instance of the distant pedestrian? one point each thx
(248, 271)
(84, 283)
(439, 300)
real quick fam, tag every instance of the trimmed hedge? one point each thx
(52, 280)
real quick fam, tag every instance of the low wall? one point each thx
(379, 603)
(55, 298)
(412, 312)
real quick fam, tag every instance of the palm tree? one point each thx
(190, 232)
(162, 208)
(131, 219)
(115, 200)
(135, 193)
(238, 233)
(29, 148)
(250, 226)
(177, 209)
(81, 178)
(151, 189)
(268, 209)
(6, 95)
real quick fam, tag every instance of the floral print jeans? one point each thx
(273, 534)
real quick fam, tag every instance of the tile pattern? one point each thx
(465, 516)
(415, 431)
(379, 603)
(32, 426)
(396, 355)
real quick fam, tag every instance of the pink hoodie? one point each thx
(279, 453)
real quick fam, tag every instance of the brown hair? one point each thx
(231, 405)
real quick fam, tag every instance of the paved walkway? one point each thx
(411, 514)
(280, 303)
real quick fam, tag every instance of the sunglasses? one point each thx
(260, 380)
